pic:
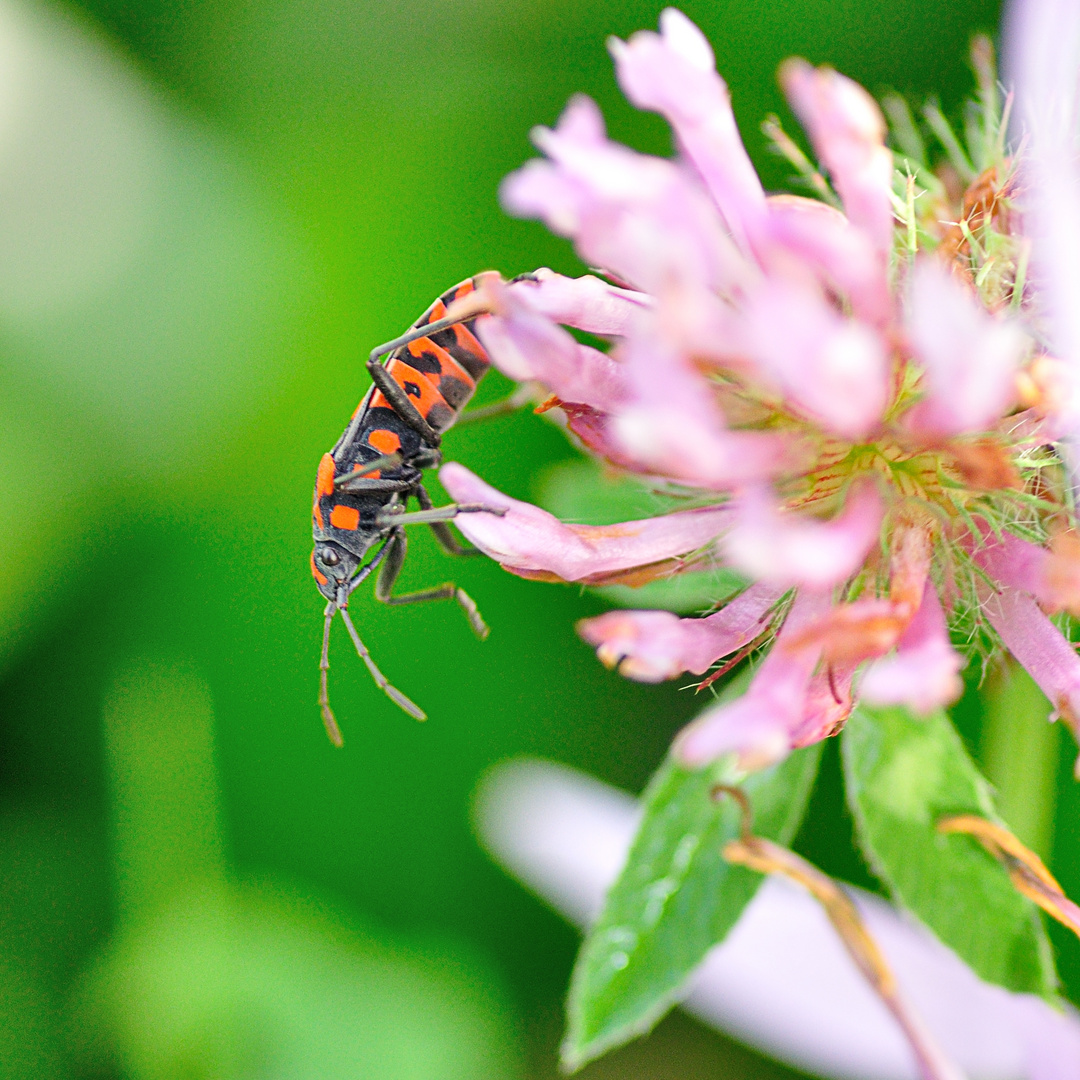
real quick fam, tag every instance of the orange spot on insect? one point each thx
(466, 339)
(324, 479)
(447, 364)
(320, 577)
(316, 513)
(345, 517)
(372, 474)
(438, 310)
(419, 388)
(464, 289)
(386, 442)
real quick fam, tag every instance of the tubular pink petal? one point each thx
(643, 218)
(787, 550)
(587, 303)
(651, 646)
(530, 541)
(1042, 649)
(675, 429)
(924, 673)
(526, 345)
(835, 369)
(673, 73)
(848, 133)
(815, 235)
(758, 725)
(970, 358)
(1044, 36)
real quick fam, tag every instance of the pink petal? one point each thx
(789, 549)
(1042, 649)
(673, 426)
(829, 701)
(758, 725)
(674, 73)
(1044, 36)
(815, 235)
(833, 368)
(848, 133)
(970, 357)
(526, 345)
(651, 646)
(924, 673)
(530, 541)
(587, 303)
(644, 218)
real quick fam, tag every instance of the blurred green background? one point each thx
(209, 211)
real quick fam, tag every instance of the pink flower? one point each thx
(837, 393)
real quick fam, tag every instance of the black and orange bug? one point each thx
(364, 483)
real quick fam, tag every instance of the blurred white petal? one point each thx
(781, 981)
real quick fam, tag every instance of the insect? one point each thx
(364, 483)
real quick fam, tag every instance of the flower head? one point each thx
(848, 393)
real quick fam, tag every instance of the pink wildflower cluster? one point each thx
(859, 424)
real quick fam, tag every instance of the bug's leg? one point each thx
(388, 575)
(435, 514)
(475, 305)
(332, 728)
(519, 398)
(392, 692)
(399, 401)
(446, 539)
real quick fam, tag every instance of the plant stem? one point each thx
(1020, 754)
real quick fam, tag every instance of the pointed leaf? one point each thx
(675, 899)
(903, 775)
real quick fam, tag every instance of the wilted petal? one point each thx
(788, 549)
(759, 725)
(970, 357)
(651, 646)
(834, 369)
(674, 73)
(924, 673)
(829, 701)
(530, 541)
(848, 133)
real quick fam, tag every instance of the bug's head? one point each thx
(333, 566)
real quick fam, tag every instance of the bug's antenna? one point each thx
(332, 728)
(395, 695)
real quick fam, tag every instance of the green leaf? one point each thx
(902, 776)
(675, 899)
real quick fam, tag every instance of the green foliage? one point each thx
(676, 897)
(904, 774)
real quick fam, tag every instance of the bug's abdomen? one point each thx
(439, 373)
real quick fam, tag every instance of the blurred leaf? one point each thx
(675, 898)
(234, 983)
(903, 775)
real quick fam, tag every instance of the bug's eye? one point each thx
(329, 557)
